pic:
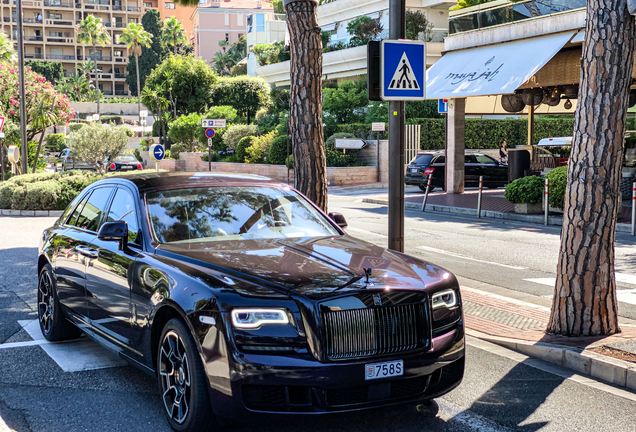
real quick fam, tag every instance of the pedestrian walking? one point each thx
(503, 153)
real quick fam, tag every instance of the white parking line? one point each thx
(365, 232)
(75, 356)
(622, 295)
(456, 255)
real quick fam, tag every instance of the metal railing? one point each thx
(120, 76)
(510, 13)
(33, 55)
(57, 3)
(33, 38)
(59, 57)
(134, 9)
(121, 93)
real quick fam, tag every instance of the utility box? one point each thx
(518, 164)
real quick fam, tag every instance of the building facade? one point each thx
(49, 34)
(168, 8)
(218, 20)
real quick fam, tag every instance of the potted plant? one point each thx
(526, 194)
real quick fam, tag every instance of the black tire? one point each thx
(53, 324)
(492, 186)
(180, 373)
(423, 188)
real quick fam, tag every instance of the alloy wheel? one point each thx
(174, 369)
(46, 303)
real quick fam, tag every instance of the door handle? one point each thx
(89, 253)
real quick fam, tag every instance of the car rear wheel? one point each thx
(182, 380)
(423, 188)
(53, 323)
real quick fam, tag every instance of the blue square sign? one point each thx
(402, 70)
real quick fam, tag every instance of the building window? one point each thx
(260, 22)
(239, 19)
(118, 53)
(169, 5)
(55, 16)
(55, 34)
(146, 4)
(227, 18)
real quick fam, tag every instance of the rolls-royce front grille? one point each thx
(369, 332)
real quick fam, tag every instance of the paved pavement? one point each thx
(52, 387)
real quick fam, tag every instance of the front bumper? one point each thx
(277, 384)
(415, 180)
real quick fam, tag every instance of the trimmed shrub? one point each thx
(336, 157)
(242, 146)
(233, 134)
(257, 152)
(525, 190)
(118, 120)
(175, 149)
(74, 127)
(278, 150)
(56, 142)
(558, 182)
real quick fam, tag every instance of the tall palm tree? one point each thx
(135, 37)
(8, 54)
(80, 85)
(173, 33)
(86, 67)
(91, 31)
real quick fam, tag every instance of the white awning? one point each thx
(328, 27)
(493, 69)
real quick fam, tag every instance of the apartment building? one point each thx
(49, 34)
(217, 20)
(168, 8)
(333, 17)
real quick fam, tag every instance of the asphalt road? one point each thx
(502, 391)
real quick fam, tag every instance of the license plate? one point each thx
(384, 370)
(415, 171)
(126, 167)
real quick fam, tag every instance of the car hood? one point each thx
(314, 267)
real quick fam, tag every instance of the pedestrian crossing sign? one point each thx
(402, 70)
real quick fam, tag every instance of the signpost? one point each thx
(355, 144)
(157, 153)
(210, 149)
(210, 133)
(377, 128)
(210, 123)
(402, 78)
(442, 106)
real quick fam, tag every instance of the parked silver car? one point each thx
(64, 162)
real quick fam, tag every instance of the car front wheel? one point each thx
(53, 323)
(182, 380)
(423, 188)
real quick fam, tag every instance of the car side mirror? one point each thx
(114, 231)
(339, 219)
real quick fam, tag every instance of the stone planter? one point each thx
(526, 208)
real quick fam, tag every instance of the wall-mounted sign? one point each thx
(355, 144)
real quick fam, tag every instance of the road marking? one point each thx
(456, 255)
(465, 417)
(623, 295)
(508, 299)
(366, 232)
(74, 356)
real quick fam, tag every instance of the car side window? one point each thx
(468, 158)
(123, 209)
(91, 214)
(73, 220)
(440, 160)
(483, 159)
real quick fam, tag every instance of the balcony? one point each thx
(121, 93)
(33, 38)
(118, 8)
(107, 92)
(59, 22)
(58, 4)
(120, 76)
(59, 39)
(30, 21)
(59, 57)
(134, 9)
(485, 15)
(34, 56)
(119, 25)
(121, 59)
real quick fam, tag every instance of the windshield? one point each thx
(125, 158)
(424, 159)
(233, 213)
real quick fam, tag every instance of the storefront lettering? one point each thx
(488, 75)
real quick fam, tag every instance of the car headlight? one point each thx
(446, 298)
(254, 318)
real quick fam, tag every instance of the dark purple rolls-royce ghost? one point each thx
(241, 296)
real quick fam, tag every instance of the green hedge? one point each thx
(278, 150)
(525, 190)
(46, 191)
(558, 181)
(337, 157)
(480, 133)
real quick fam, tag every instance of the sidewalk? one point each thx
(494, 205)
(517, 321)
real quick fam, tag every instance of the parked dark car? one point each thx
(124, 163)
(241, 296)
(64, 162)
(476, 164)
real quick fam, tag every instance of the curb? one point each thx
(614, 371)
(537, 219)
(32, 213)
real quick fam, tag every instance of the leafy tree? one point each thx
(468, 3)
(157, 104)
(52, 71)
(76, 86)
(278, 150)
(150, 56)
(41, 116)
(246, 94)
(135, 37)
(7, 53)
(238, 70)
(187, 2)
(173, 33)
(278, 6)
(235, 133)
(421, 109)
(93, 144)
(257, 152)
(364, 29)
(223, 61)
(218, 112)
(416, 23)
(91, 31)
(346, 101)
(184, 81)
(184, 130)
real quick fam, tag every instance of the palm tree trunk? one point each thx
(175, 44)
(96, 77)
(138, 84)
(37, 152)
